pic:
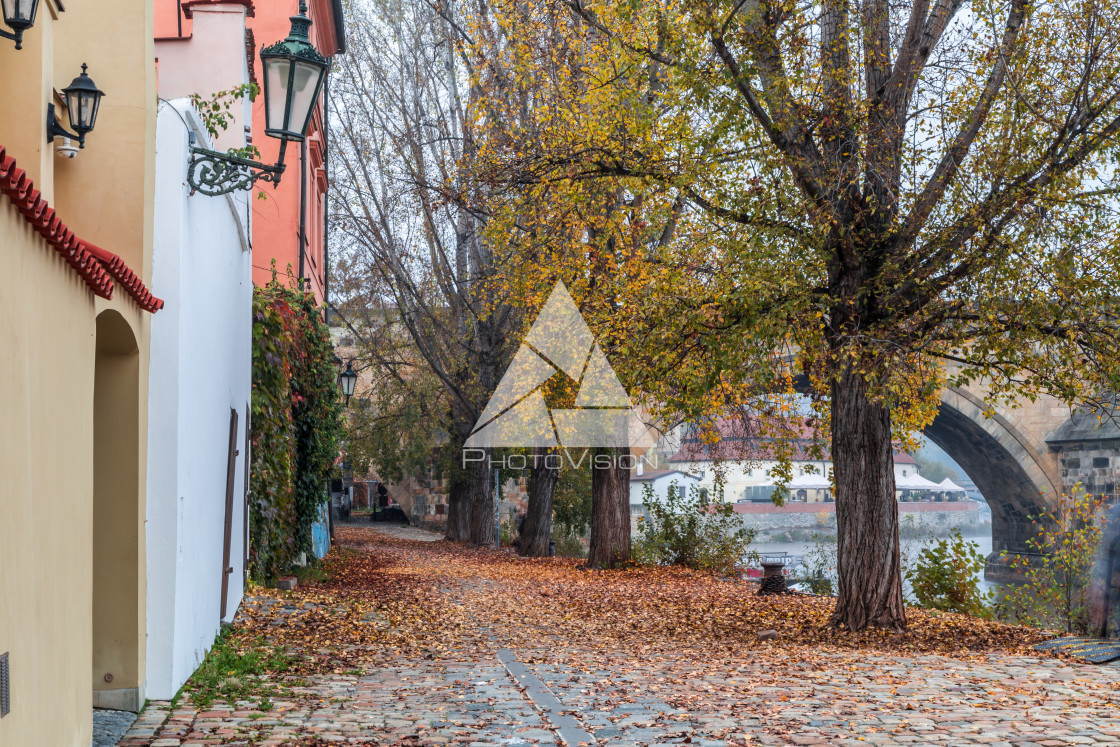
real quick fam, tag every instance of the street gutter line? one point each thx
(567, 727)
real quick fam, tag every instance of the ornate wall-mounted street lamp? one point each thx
(83, 99)
(346, 381)
(19, 15)
(293, 77)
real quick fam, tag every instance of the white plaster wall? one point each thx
(661, 486)
(200, 369)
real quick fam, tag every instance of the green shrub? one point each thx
(1055, 592)
(945, 577)
(571, 500)
(694, 531)
(568, 547)
(508, 535)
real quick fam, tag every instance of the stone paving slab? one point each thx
(426, 703)
(834, 700)
(846, 700)
(109, 726)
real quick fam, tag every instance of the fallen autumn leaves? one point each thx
(387, 597)
(430, 643)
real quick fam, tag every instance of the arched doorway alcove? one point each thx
(117, 562)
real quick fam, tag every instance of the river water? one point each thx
(910, 547)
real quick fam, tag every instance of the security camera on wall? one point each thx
(63, 148)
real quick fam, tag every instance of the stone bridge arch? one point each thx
(1004, 451)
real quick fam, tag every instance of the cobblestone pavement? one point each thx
(485, 696)
(844, 699)
(833, 700)
(110, 726)
(421, 703)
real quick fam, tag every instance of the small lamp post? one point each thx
(83, 99)
(293, 77)
(346, 381)
(19, 15)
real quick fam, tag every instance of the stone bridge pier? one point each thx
(1023, 458)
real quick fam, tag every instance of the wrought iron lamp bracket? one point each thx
(55, 129)
(214, 173)
(17, 37)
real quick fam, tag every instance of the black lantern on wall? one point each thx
(83, 99)
(19, 15)
(293, 77)
(346, 381)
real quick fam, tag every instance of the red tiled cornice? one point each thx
(96, 266)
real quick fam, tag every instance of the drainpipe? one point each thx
(179, 16)
(302, 209)
(326, 195)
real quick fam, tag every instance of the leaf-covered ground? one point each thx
(386, 597)
(407, 642)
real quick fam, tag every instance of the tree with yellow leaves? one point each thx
(753, 195)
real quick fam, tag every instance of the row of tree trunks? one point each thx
(538, 514)
(471, 518)
(483, 532)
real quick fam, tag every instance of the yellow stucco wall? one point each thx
(68, 452)
(46, 495)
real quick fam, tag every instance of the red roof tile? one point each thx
(653, 474)
(96, 266)
(743, 442)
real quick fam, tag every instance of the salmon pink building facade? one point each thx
(288, 224)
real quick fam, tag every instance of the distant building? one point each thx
(661, 481)
(748, 466)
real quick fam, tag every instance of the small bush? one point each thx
(1055, 592)
(569, 547)
(945, 577)
(694, 531)
(508, 536)
(313, 572)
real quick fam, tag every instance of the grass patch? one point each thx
(235, 670)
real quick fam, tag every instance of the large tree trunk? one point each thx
(610, 509)
(483, 531)
(538, 515)
(866, 512)
(459, 506)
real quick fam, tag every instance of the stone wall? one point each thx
(926, 516)
(1094, 464)
(424, 499)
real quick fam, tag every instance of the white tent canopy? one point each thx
(810, 482)
(949, 486)
(916, 482)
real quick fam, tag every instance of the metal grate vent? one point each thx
(5, 686)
